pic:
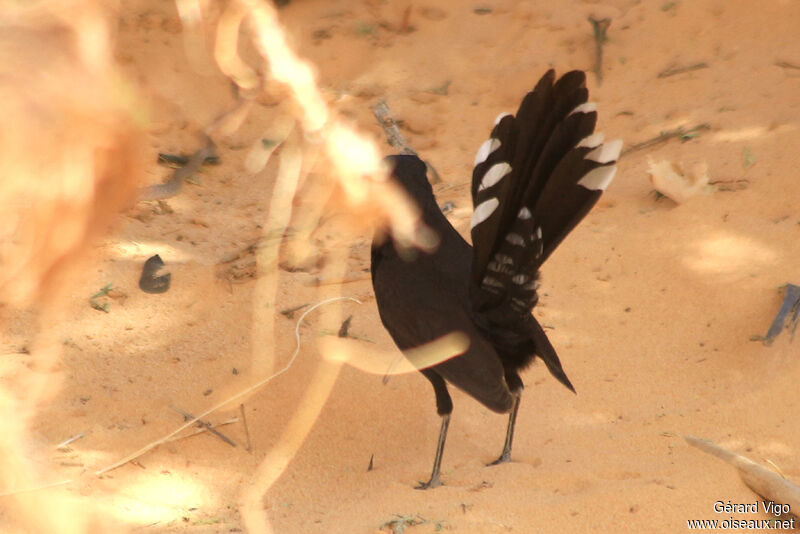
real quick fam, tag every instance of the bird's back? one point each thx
(426, 296)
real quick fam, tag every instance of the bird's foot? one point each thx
(505, 457)
(434, 482)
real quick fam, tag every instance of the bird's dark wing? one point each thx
(534, 180)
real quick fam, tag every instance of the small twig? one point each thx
(400, 522)
(289, 312)
(389, 125)
(249, 447)
(793, 322)
(201, 430)
(395, 139)
(672, 71)
(210, 427)
(391, 368)
(730, 185)
(442, 90)
(791, 303)
(69, 440)
(172, 187)
(340, 280)
(680, 132)
(787, 65)
(345, 327)
(776, 468)
(36, 488)
(248, 249)
(371, 458)
(405, 24)
(358, 337)
(102, 293)
(599, 26)
(175, 161)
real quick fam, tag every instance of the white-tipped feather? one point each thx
(503, 259)
(491, 281)
(524, 213)
(591, 141)
(520, 279)
(538, 239)
(483, 211)
(500, 117)
(586, 107)
(520, 303)
(499, 268)
(494, 175)
(532, 286)
(606, 153)
(599, 178)
(515, 239)
(488, 146)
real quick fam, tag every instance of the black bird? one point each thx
(534, 179)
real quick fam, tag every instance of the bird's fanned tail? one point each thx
(535, 178)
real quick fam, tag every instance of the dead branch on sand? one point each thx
(762, 481)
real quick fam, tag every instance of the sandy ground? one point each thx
(651, 305)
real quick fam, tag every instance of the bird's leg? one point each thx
(444, 406)
(437, 460)
(512, 419)
(516, 386)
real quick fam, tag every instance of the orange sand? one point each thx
(650, 305)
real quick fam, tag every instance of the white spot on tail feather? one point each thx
(488, 146)
(496, 173)
(524, 213)
(606, 153)
(491, 281)
(520, 303)
(520, 279)
(483, 211)
(497, 267)
(533, 286)
(591, 141)
(500, 117)
(599, 178)
(586, 107)
(538, 238)
(503, 259)
(515, 239)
